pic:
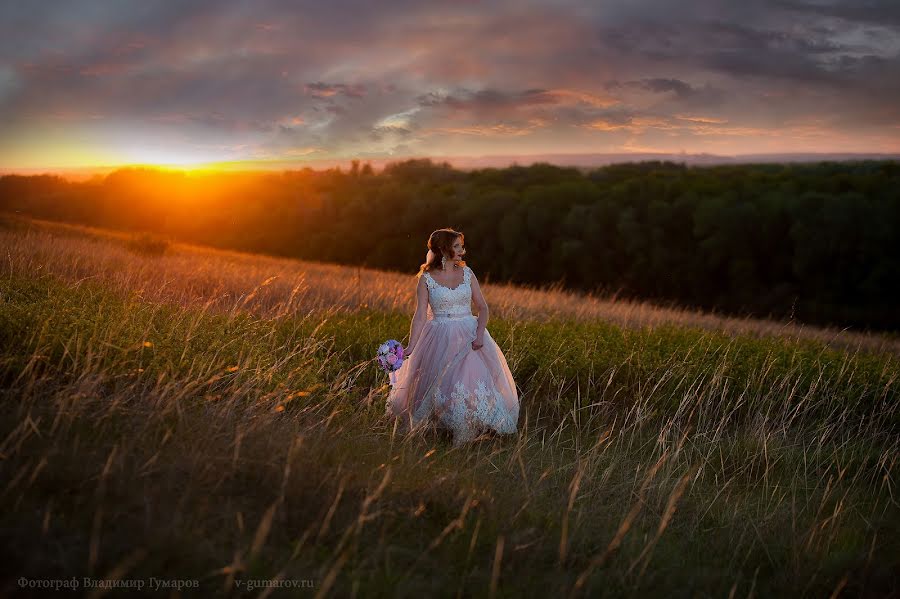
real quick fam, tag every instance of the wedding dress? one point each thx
(446, 382)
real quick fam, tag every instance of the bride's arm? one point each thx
(421, 314)
(483, 311)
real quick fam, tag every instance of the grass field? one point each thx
(188, 413)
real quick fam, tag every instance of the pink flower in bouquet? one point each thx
(390, 355)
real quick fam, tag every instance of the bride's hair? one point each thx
(441, 244)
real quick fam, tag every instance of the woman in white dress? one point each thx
(454, 374)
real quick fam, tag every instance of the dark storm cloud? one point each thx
(670, 85)
(879, 12)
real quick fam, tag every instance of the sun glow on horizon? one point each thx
(164, 157)
(63, 158)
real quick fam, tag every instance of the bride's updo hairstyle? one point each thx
(440, 244)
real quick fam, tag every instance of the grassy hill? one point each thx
(182, 413)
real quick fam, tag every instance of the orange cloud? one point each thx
(635, 125)
(306, 151)
(566, 96)
(700, 119)
(487, 130)
(693, 126)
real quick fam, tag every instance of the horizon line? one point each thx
(579, 159)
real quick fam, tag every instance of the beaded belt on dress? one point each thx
(443, 315)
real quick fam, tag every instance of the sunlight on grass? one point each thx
(194, 276)
(217, 416)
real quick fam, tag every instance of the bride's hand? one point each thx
(477, 343)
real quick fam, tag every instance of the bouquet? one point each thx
(390, 356)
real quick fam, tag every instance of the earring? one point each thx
(444, 262)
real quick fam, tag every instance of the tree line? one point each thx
(819, 243)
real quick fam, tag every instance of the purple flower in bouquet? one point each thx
(390, 357)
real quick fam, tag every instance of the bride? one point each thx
(454, 375)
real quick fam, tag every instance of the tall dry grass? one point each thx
(174, 417)
(225, 280)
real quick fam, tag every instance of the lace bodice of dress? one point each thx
(450, 302)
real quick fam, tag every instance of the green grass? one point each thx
(150, 437)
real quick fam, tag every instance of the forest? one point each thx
(816, 243)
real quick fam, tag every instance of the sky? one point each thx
(186, 82)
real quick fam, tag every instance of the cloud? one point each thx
(866, 11)
(680, 88)
(329, 90)
(276, 75)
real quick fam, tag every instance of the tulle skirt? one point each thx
(446, 383)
